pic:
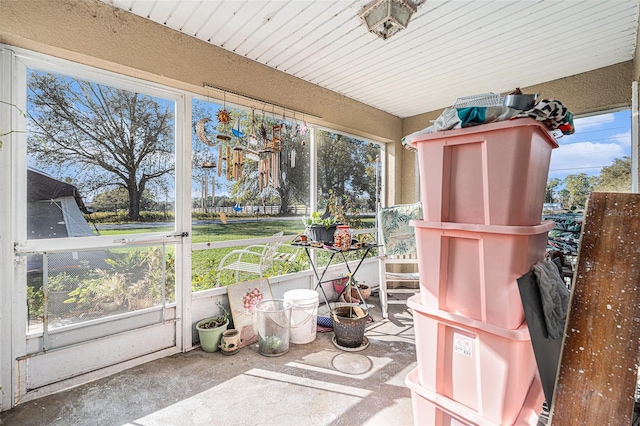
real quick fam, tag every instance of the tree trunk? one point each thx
(134, 207)
(134, 202)
(284, 201)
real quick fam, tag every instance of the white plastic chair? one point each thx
(398, 250)
(256, 258)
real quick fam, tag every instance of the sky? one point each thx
(597, 141)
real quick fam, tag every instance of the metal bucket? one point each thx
(521, 102)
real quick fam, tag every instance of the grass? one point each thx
(205, 262)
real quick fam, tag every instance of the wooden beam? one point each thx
(599, 362)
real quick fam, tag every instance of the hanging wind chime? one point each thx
(238, 155)
(252, 139)
(256, 145)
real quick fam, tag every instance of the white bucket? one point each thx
(304, 315)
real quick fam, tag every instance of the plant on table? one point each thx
(317, 219)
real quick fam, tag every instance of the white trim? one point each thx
(384, 160)
(46, 63)
(6, 247)
(53, 245)
(183, 221)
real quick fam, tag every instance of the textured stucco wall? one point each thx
(94, 33)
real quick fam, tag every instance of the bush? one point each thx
(63, 282)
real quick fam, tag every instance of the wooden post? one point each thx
(598, 371)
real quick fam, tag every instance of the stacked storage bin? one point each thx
(482, 189)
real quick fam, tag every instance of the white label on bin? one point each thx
(462, 345)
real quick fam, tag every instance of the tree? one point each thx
(564, 198)
(110, 199)
(119, 198)
(364, 174)
(578, 186)
(334, 154)
(107, 136)
(616, 177)
(552, 184)
(346, 166)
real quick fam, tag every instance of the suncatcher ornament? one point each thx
(223, 115)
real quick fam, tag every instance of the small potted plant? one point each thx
(210, 329)
(350, 295)
(341, 210)
(320, 228)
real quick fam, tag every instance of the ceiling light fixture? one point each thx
(384, 18)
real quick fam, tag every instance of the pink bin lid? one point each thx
(488, 127)
(545, 226)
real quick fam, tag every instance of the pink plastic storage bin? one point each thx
(483, 367)
(492, 174)
(472, 269)
(431, 409)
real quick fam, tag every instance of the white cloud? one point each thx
(583, 157)
(593, 122)
(599, 139)
(624, 140)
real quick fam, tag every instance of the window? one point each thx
(100, 161)
(596, 157)
(348, 175)
(250, 179)
(270, 194)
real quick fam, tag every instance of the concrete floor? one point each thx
(312, 384)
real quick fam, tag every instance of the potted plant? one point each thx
(350, 295)
(210, 329)
(320, 227)
(340, 211)
(349, 323)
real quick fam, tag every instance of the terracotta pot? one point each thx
(365, 290)
(354, 297)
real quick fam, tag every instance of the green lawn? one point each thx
(205, 262)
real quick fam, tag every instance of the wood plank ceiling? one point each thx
(451, 48)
